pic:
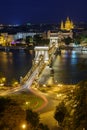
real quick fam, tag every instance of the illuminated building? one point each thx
(68, 25)
(5, 39)
(57, 36)
(23, 35)
(62, 25)
(2, 40)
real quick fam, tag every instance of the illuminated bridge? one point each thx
(44, 55)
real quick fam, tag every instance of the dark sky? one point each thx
(42, 11)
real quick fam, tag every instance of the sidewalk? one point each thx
(48, 119)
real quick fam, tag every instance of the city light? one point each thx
(44, 85)
(27, 103)
(23, 126)
(50, 73)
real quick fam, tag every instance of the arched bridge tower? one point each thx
(54, 39)
(41, 51)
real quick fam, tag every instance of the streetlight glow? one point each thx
(24, 126)
(27, 103)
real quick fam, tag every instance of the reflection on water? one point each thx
(16, 64)
(66, 68)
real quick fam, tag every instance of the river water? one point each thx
(16, 64)
(66, 67)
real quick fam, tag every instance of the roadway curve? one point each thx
(39, 94)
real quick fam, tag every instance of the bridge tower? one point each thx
(54, 41)
(53, 36)
(41, 51)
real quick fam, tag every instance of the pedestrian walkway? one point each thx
(48, 119)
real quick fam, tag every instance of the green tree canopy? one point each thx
(11, 114)
(29, 40)
(37, 39)
(67, 40)
(33, 121)
(80, 114)
(42, 127)
(32, 118)
(60, 112)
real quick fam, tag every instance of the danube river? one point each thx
(69, 68)
(16, 64)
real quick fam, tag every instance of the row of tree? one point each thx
(74, 116)
(77, 39)
(36, 40)
(13, 117)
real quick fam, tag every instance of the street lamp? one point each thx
(83, 128)
(23, 126)
(57, 95)
(3, 79)
(27, 104)
(44, 85)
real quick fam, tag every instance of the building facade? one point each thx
(68, 25)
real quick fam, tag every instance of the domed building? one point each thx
(68, 25)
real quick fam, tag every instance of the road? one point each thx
(48, 111)
(26, 85)
(32, 77)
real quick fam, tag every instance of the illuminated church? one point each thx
(68, 25)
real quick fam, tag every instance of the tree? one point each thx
(12, 117)
(42, 127)
(32, 118)
(67, 40)
(29, 40)
(37, 40)
(11, 114)
(80, 113)
(60, 113)
(78, 38)
(45, 42)
(3, 103)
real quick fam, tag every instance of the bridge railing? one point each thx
(35, 65)
(27, 76)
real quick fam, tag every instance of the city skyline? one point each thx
(20, 12)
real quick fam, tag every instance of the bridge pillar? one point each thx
(53, 41)
(41, 51)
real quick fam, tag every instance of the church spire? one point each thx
(62, 25)
(72, 25)
(67, 19)
(68, 25)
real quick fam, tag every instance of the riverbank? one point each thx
(16, 48)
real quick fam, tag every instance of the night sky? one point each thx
(42, 11)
